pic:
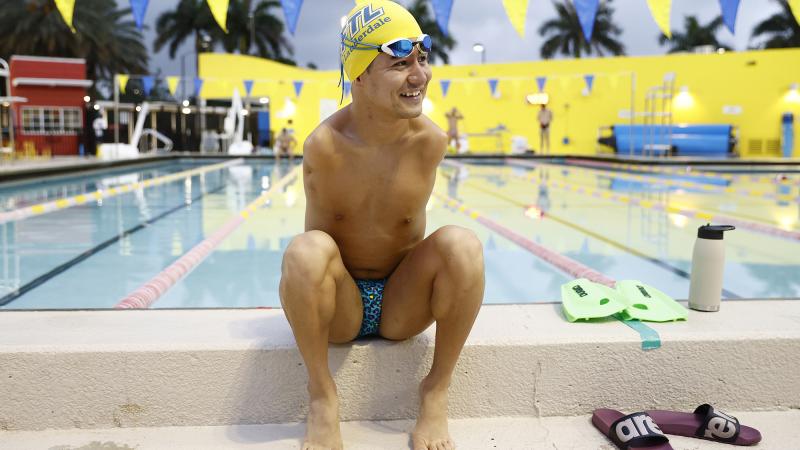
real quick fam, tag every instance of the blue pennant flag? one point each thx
(441, 9)
(291, 10)
(139, 8)
(493, 86)
(248, 87)
(445, 87)
(729, 10)
(198, 85)
(147, 83)
(298, 86)
(346, 88)
(540, 82)
(587, 11)
(589, 80)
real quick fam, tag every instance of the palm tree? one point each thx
(106, 36)
(441, 43)
(779, 30)
(694, 35)
(564, 34)
(193, 19)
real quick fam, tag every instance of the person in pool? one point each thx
(363, 266)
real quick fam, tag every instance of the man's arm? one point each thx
(315, 149)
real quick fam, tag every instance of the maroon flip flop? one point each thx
(706, 423)
(637, 430)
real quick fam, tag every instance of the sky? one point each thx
(484, 21)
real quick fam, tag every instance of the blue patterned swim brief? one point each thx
(372, 299)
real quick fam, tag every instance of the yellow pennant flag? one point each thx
(172, 84)
(795, 6)
(66, 8)
(661, 10)
(517, 11)
(219, 9)
(123, 81)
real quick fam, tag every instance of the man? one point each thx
(362, 266)
(545, 117)
(453, 116)
(284, 145)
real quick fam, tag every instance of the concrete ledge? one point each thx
(778, 429)
(105, 369)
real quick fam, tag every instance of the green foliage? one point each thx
(106, 36)
(780, 30)
(563, 35)
(694, 35)
(192, 19)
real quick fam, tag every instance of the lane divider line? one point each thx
(705, 173)
(64, 203)
(763, 228)
(662, 264)
(649, 179)
(650, 338)
(145, 295)
(61, 268)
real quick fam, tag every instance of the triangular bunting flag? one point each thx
(66, 8)
(441, 9)
(589, 81)
(147, 84)
(172, 84)
(346, 88)
(661, 10)
(291, 10)
(139, 8)
(248, 87)
(540, 82)
(729, 9)
(123, 82)
(219, 9)
(493, 86)
(198, 86)
(587, 11)
(517, 12)
(795, 6)
(298, 87)
(445, 84)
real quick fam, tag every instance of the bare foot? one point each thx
(322, 426)
(430, 432)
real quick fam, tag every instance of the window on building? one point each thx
(51, 121)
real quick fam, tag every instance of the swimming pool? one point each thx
(624, 221)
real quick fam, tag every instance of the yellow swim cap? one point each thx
(374, 22)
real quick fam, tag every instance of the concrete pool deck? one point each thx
(779, 431)
(163, 368)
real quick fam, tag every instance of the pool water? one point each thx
(627, 222)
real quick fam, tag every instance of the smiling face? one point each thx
(395, 85)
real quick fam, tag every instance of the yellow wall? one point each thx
(757, 81)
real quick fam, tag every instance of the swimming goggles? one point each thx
(397, 48)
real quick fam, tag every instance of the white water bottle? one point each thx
(708, 263)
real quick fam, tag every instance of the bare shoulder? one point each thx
(430, 138)
(319, 146)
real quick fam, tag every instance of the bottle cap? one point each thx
(709, 231)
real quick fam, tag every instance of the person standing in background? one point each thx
(453, 116)
(545, 118)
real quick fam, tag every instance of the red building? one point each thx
(52, 117)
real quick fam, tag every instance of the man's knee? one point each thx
(460, 247)
(308, 257)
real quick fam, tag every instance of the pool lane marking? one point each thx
(650, 338)
(659, 262)
(686, 212)
(41, 279)
(649, 179)
(63, 203)
(705, 173)
(146, 294)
